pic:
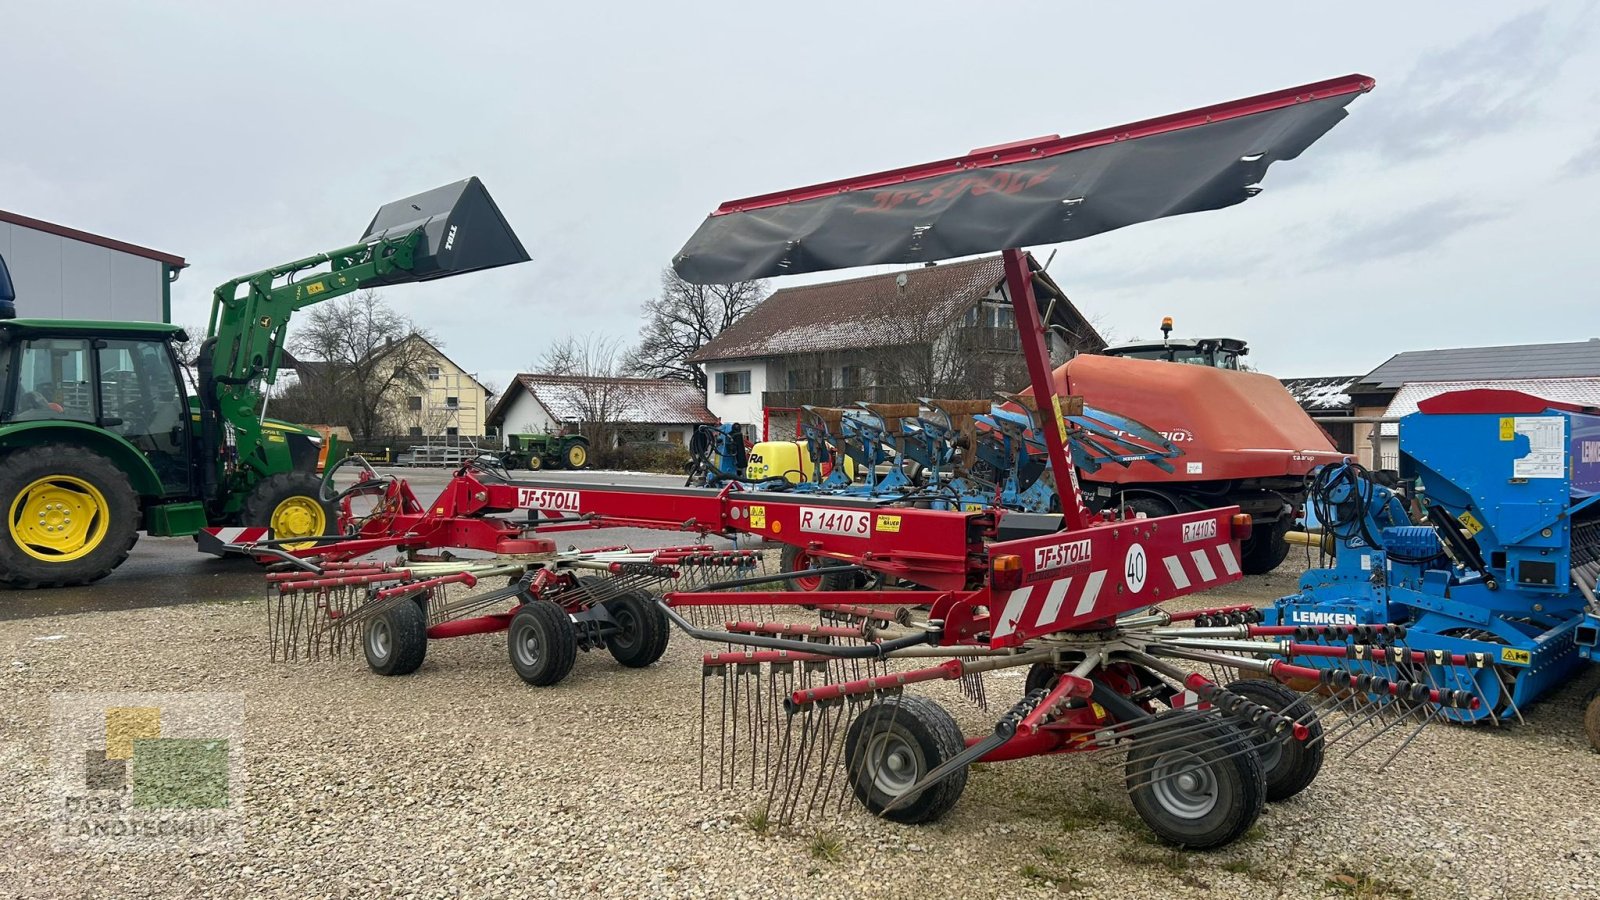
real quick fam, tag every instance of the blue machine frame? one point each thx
(1509, 486)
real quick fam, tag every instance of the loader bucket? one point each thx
(462, 231)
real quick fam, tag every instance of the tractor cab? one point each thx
(1215, 353)
(118, 376)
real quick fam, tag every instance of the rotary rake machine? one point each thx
(815, 713)
(328, 596)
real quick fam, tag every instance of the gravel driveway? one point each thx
(461, 781)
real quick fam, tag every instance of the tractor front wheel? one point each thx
(1197, 784)
(291, 504)
(71, 517)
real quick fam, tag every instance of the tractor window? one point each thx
(140, 400)
(53, 382)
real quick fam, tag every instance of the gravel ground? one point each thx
(461, 781)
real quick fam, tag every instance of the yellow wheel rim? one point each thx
(298, 517)
(59, 518)
(577, 456)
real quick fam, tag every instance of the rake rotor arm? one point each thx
(832, 651)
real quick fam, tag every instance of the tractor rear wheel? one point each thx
(1197, 784)
(575, 455)
(892, 746)
(542, 643)
(1289, 765)
(795, 559)
(291, 504)
(1266, 548)
(396, 642)
(71, 517)
(644, 629)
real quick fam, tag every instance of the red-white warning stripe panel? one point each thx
(1107, 580)
(223, 541)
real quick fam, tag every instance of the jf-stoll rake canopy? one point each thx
(1040, 191)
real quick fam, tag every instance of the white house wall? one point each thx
(525, 415)
(742, 408)
(61, 278)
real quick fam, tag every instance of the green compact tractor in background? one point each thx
(100, 439)
(545, 451)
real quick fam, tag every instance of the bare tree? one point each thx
(361, 361)
(596, 400)
(188, 353)
(683, 319)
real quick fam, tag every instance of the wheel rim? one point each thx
(802, 561)
(298, 517)
(892, 763)
(535, 463)
(526, 645)
(59, 518)
(629, 626)
(379, 639)
(577, 456)
(1183, 784)
(1271, 753)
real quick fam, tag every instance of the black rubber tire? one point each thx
(396, 642)
(1591, 718)
(1266, 548)
(833, 581)
(568, 455)
(645, 629)
(1153, 507)
(1288, 765)
(1040, 675)
(1238, 789)
(23, 467)
(273, 490)
(927, 736)
(541, 643)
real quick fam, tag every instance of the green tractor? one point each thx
(545, 451)
(100, 439)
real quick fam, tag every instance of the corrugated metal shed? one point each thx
(1579, 359)
(1582, 391)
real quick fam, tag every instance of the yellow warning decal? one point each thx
(1470, 523)
(758, 517)
(315, 287)
(1511, 655)
(1098, 710)
(890, 524)
(972, 507)
(1061, 420)
(1508, 428)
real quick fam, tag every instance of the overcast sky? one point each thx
(1458, 205)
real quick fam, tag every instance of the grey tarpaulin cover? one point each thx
(1035, 192)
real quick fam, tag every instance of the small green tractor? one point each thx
(100, 439)
(545, 451)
